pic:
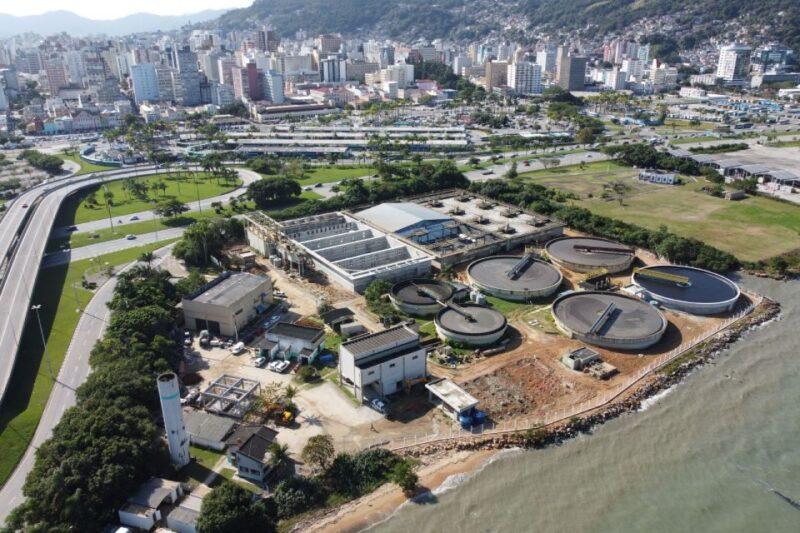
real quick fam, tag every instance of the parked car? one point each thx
(259, 362)
(378, 404)
(279, 366)
(238, 348)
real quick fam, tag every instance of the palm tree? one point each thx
(278, 454)
(290, 392)
(147, 257)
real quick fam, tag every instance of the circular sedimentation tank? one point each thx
(688, 289)
(470, 324)
(609, 320)
(518, 278)
(587, 254)
(418, 297)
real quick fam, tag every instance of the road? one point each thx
(497, 171)
(74, 371)
(24, 232)
(247, 177)
(102, 248)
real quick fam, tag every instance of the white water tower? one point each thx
(177, 438)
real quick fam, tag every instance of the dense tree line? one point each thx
(645, 156)
(48, 163)
(109, 443)
(206, 238)
(719, 148)
(393, 181)
(269, 192)
(672, 247)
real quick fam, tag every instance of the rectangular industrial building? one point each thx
(228, 303)
(379, 364)
(349, 252)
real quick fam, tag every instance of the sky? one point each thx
(111, 9)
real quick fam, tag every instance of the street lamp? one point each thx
(44, 343)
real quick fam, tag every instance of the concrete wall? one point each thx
(387, 374)
(353, 249)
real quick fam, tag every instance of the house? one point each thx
(382, 363)
(227, 304)
(248, 449)
(295, 340)
(145, 508)
(336, 317)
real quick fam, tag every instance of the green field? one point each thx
(751, 229)
(331, 174)
(75, 210)
(86, 168)
(25, 401)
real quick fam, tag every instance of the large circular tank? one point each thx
(609, 320)
(587, 254)
(514, 277)
(688, 289)
(418, 297)
(470, 324)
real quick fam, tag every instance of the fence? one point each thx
(455, 432)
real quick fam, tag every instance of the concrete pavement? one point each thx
(74, 371)
(101, 248)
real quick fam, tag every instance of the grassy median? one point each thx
(86, 168)
(56, 291)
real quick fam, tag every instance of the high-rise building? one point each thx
(222, 95)
(273, 86)
(187, 80)
(166, 89)
(3, 99)
(329, 43)
(525, 78)
(225, 65)
(272, 41)
(332, 69)
(29, 61)
(386, 56)
(562, 53)
(546, 58)
(56, 74)
(247, 83)
(734, 62)
(172, 412)
(496, 74)
(572, 75)
(145, 83)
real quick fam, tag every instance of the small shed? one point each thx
(207, 430)
(144, 509)
(580, 358)
(451, 398)
(336, 317)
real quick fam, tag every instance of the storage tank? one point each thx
(589, 254)
(516, 278)
(171, 410)
(688, 289)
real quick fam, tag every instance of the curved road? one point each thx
(74, 371)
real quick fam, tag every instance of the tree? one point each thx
(617, 190)
(170, 208)
(319, 451)
(297, 494)
(512, 173)
(270, 191)
(403, 474)
(585, 136)
(278, 454)
(229, 507)
(474, 162)
(147, 257)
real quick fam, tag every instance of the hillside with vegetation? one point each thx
(694, 21)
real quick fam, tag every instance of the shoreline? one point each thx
(467, 456)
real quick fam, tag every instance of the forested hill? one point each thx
(692, 20)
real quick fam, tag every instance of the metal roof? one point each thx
(296, 331)
(232, 289)
(382, 340)
(453, 395)
(153, 492)
(393, 217)
(207, 426)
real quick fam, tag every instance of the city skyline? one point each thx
(96, 10)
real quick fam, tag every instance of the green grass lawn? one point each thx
(75, 210)
(25, 401)
(86, 168)
(505, 306)
(85, 238)
(198, 470)
(330, 174)
(582, 181)
(751, 229)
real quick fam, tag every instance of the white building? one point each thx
(734, 62)
(297, 341)
(654, 176)
(273, 86)
(546, 59)
(145, 83)
(379, 364)
(525, 78)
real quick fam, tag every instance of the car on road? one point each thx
(24, 206)
(238, 348)
(378, 404)
(318, 185)
(306, 188)
(488, 172)
(279, 366)
(134, 217)
(130, 236)
(72, 228)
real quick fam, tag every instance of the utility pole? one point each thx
(44, 343)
